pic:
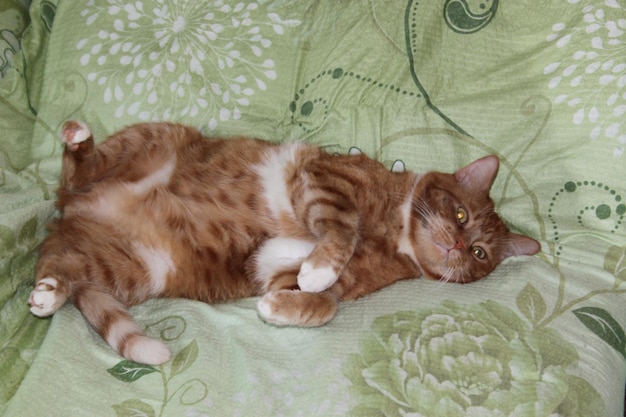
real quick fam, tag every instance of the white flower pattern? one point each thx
(179, 60)
(592, 81)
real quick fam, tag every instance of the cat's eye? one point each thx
(479, 252)
(461, 215)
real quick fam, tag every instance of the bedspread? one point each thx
(418, 85)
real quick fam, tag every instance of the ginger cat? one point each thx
(158, 210)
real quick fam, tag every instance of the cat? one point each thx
(159, 210)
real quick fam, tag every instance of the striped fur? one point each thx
(158, 210)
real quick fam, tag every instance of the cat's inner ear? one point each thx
(517, 245)
(479, 175)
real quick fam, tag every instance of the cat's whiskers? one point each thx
(445, 278)
(426, 213)
(461, 279)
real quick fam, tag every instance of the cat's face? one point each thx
(458, 236)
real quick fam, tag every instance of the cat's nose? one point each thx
(459, 244)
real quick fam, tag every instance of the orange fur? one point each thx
(158, 210)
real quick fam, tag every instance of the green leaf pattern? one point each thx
(615, 263)
(129, 371)
(134, 408)
(604, 326)
(531, 304)
(188, 393)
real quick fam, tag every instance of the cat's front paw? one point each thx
(74, 133)
(311, 279)
(297, 308)
(269, 309)
(45, 299)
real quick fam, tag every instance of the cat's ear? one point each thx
(479, 175)
(517, 245)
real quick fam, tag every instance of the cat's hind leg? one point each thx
(93, 297)
(47, 297)
(111, 319)
(74, 133)
(79, 155)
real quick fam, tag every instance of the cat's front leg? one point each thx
(333, 219)
(325, 264)
(316, 279)
(297, 308)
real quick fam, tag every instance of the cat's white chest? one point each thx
(272, 177)
(404, 243)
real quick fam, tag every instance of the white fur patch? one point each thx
(105, 208)
(278, 254)
(79, 135)
(119, 330)
(44, 299)
(267, 313)
(159, 177)
(159, 264)
(264, 307)
(404, 245)
(316, 279)
(149, 351)
(272, 175)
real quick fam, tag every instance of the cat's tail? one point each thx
(107, 316)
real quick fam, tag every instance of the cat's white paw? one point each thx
(264, 307)
(146, 350)
(75, 132)
(44, 299)
(312, 279)
(268, 313)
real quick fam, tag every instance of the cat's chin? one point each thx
(452, 279)
(444, 266)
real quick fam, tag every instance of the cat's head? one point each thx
(457, 234)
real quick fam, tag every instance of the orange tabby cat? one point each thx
(158, 210)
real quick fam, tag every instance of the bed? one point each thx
(417, 85)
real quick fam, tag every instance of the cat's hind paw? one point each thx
(74, 133)
(143, 349)
(45, 300)
(318, 279)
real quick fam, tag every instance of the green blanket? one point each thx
(418, 85)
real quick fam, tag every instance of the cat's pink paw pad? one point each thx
(312, 279)
(74, 133)
(44, 299)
